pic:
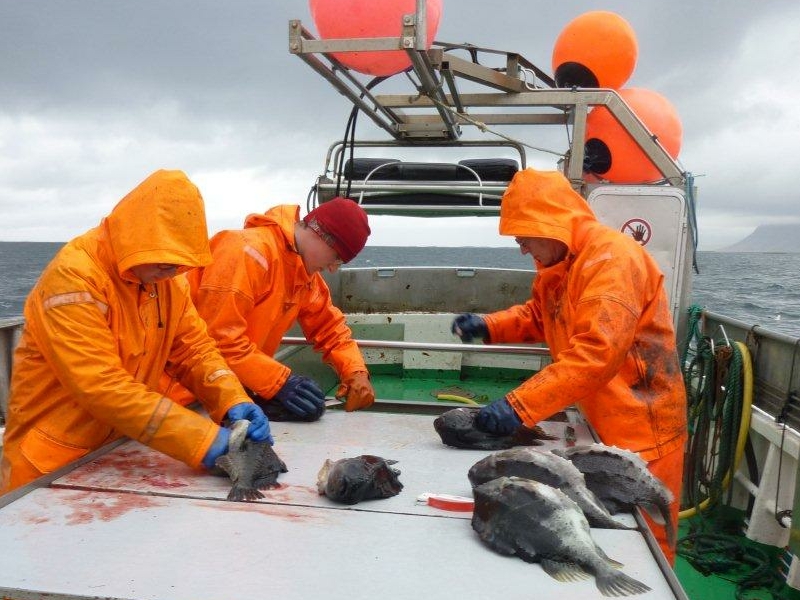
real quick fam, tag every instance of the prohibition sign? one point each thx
(639, 229)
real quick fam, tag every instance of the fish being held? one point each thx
(457, 428)
(621, 480)
(541, 524)
(252, 466)
(351, 480)
(548, 468)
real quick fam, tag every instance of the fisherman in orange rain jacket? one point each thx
(266, 277)
(598, 300)
(102, 322)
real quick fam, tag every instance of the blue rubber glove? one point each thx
(218, 448)
(498, 418)
(259, 424)
(468, 326)
(302, 396)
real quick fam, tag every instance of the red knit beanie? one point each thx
(344, 226)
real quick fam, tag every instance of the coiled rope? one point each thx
(719, 387)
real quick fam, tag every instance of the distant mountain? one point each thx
(770, 238)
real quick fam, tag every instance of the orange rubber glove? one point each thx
(357, 391)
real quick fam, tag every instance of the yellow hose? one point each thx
(455, 398)
(744, 428)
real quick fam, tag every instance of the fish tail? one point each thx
(244, 494)
(616, 583)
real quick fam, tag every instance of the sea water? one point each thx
(756, 288)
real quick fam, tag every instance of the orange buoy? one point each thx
(368, 19)
(610, 151)
(597, 49)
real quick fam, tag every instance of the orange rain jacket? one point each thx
(255, 290)
(604, 314)
(96, 341)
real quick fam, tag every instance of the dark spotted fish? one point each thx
(547, 468)
(351, 480)
(539, 523)
(457, 428)
(621, 479)
(251, 466)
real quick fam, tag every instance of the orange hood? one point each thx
(162, 220)
(285, 216)
(543, 204)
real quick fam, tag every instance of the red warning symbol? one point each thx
(639, 229)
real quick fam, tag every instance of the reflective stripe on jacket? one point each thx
(256, 289)
(95, 340)
(604, 314)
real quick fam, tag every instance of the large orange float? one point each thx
(597, 49)
(368, 19)
(612, 154)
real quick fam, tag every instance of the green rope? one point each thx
(719, 554)
(712, 374)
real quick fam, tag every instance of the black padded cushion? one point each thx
(488, 169)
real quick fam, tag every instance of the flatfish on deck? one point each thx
(548, 468)
(457, 428)
(539, 523)
(251, 466)
(621, 479)
(365, 477)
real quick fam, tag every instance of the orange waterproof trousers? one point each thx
(669, 469)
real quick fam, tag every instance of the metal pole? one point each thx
(496, 349)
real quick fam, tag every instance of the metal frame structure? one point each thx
(435, 112)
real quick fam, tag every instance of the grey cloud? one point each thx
(94, 94)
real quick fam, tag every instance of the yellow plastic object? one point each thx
(455, 398)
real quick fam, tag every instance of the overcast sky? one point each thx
(95, 95)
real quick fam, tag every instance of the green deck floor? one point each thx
(725, 564)
(480, 385)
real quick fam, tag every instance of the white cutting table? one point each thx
(135, 524)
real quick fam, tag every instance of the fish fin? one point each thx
(611, 562)
(616, 583)
(561, 570)
(655, 512)
(526, 554)
(659, 514)
(268, 482)
(224, 463)
(495, 542)
(542, 434)
(244, 494)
